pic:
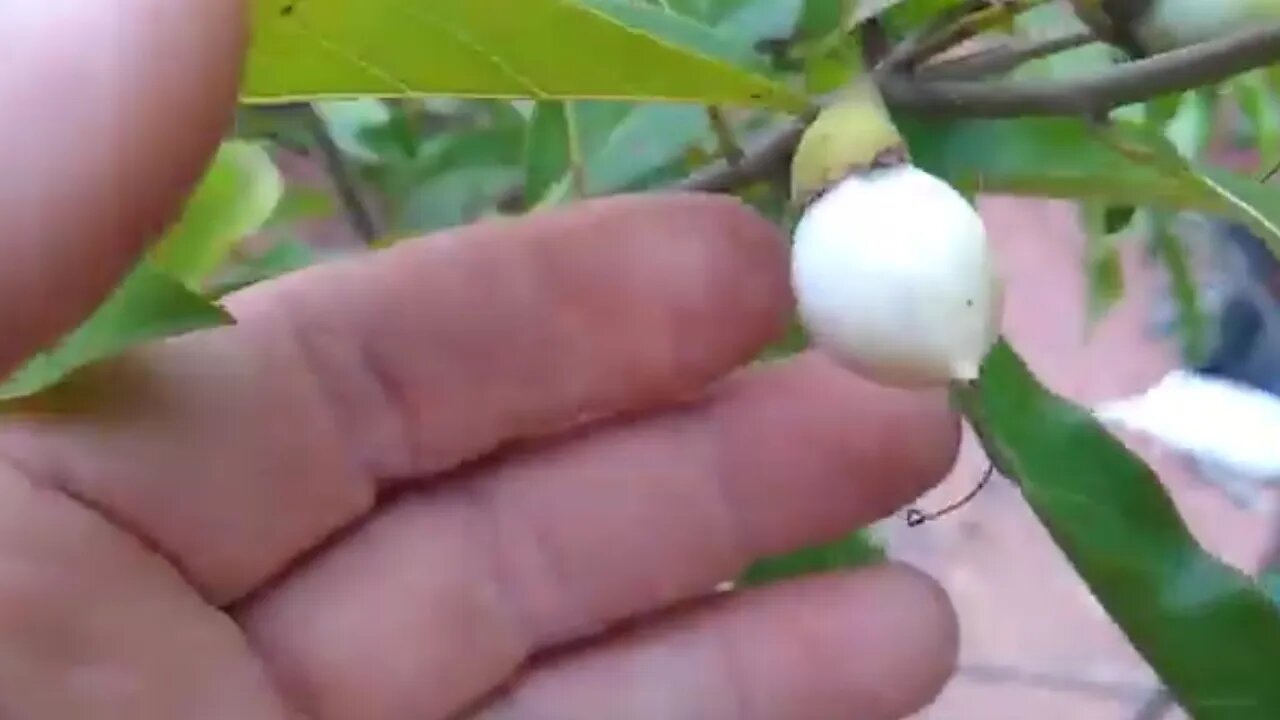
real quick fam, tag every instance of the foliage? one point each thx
(427, 115)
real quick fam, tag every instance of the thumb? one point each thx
(112, 109)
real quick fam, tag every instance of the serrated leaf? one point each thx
(544, 49)
(149, 305)
(1210, 632)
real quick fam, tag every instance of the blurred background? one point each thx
(1103, 302)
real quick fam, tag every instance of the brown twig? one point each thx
(915, 49)
(768, 159)
(1004, 58)
(726, 143)
(1093, 96)
(1171, 72)
(357, 211)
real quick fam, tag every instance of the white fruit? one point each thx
(894, 278)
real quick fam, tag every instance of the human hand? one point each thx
(379, 496)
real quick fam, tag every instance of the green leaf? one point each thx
(1115, 218)
(1261, 109)
(236, 198)
(301, 203)
(1104, 268)
(1209, 631)
(1247, 199)
(1192, 323)
(547, 150)
(352, 124)
(1067, 158)
(622, 145)
(149, 305)
(1052, 157)
(1270, 582)
(452, 198)
(453, 178)
(795, 341)
(819, 18)
(858, 549)
(544, 49)
(686, 32)
(281, 258)
(1191, 127)
(756, 20)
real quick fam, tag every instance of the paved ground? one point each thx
(1035, 644)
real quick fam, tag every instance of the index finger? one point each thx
(404, 364)
(111, 110)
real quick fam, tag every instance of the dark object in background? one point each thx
(1248, 325)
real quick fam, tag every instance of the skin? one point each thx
(489, 474)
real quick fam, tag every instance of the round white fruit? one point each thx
(894, 278)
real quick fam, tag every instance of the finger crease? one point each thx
(332, 381)
(722, 481)
(504, 587)
(742, 705)
(55, 483)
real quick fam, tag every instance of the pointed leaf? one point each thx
(1068, 158)
(238, 195)
(855, 550)
(149, 305)
(545, 49)
(1209, 631)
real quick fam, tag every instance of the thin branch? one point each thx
(951, 28)
(726, 142)
(1270, 173)
(1135, 81)
(769, 159)
(357, 211)
(916, 48)
(1004, 58)
(1171, 72)
(577, 161)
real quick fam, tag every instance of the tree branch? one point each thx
(1003, 58)
(1093, 96)
(357, 211)
(1131, 82)
(768, 159)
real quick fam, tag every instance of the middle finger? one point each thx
(446, 593)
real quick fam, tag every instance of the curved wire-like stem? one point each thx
(917, 517)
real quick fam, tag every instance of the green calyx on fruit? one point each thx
(853, 134)
(891, 268)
